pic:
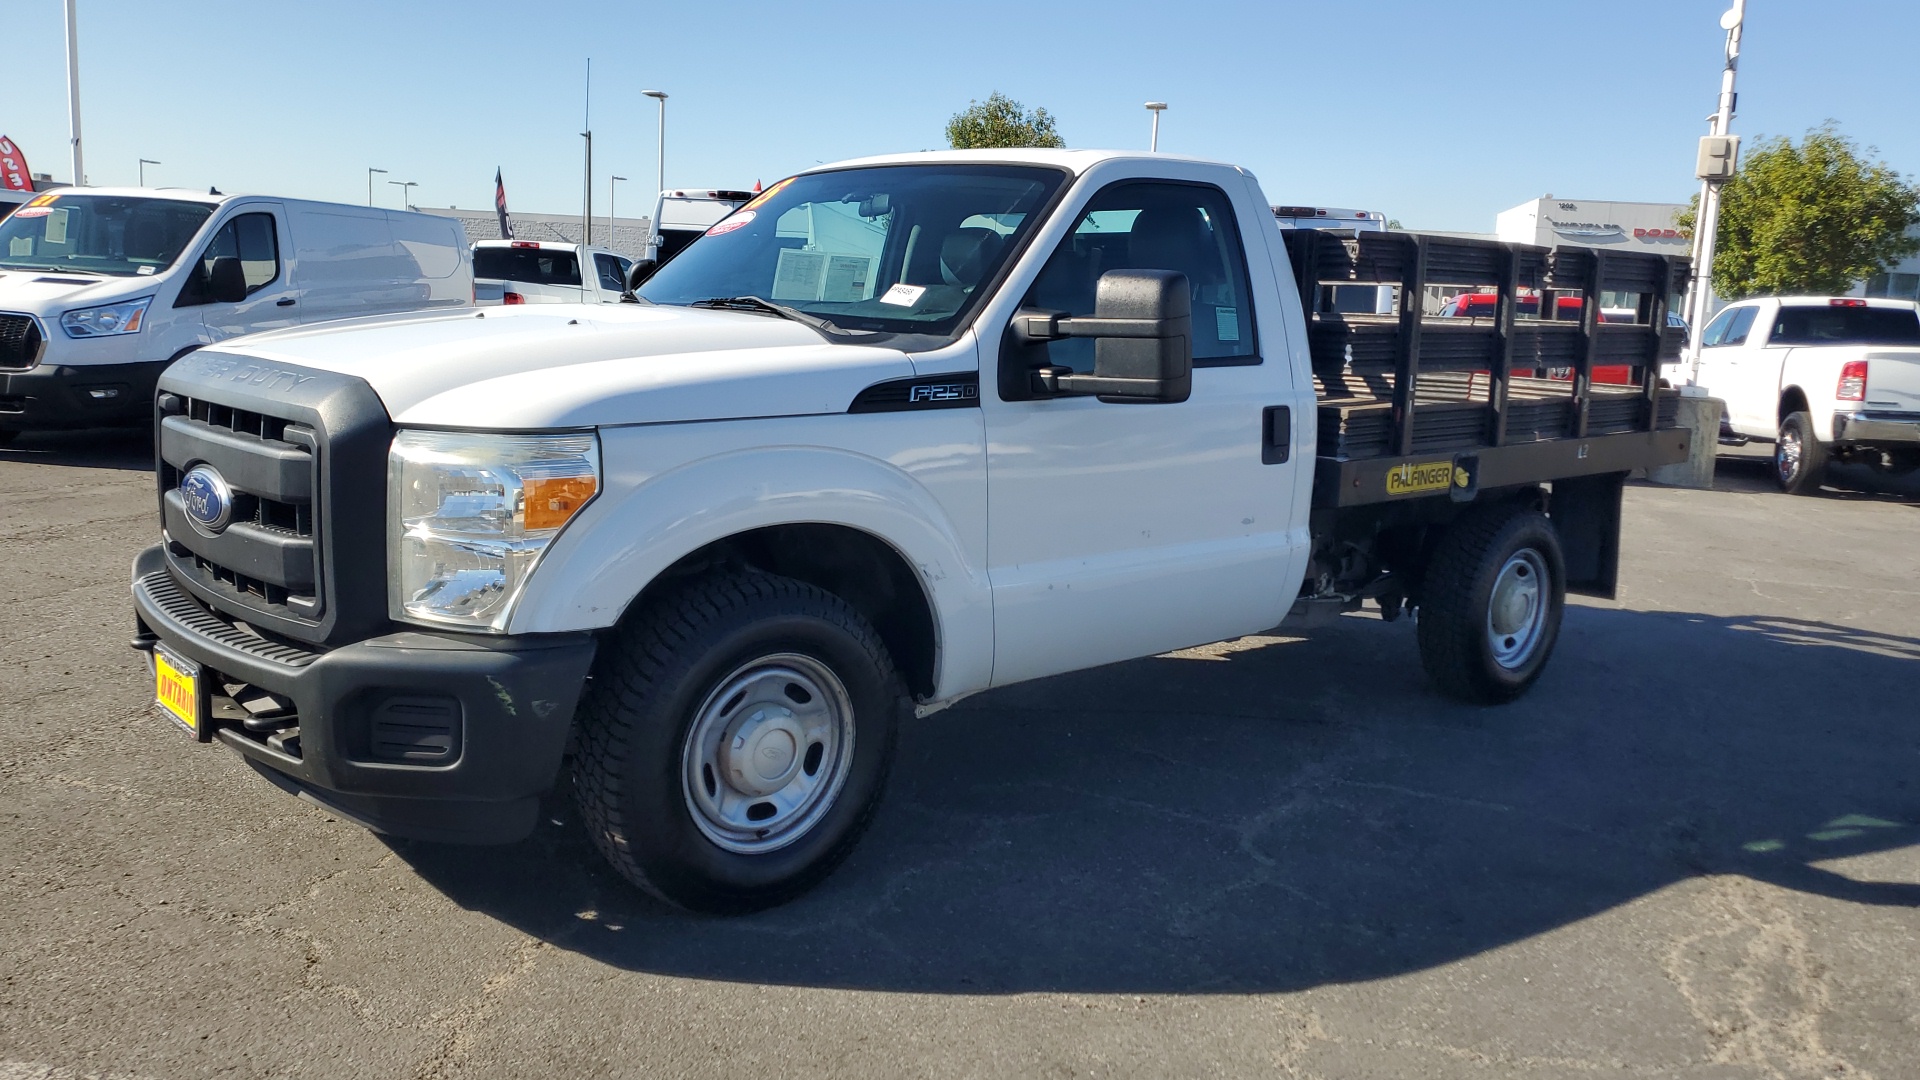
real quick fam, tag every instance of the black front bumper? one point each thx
(54, 397)
(435, 736)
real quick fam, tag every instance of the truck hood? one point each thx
(49, 292)
(580, 365)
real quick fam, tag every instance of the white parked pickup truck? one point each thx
(1825, 378)
(544, 272)
(895, 432)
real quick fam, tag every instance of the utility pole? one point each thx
(1707, 222)
(73, 92)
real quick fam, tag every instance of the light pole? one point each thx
(586, 206)
(73, 93)
(661, 155)
(1707, 222)
(611, 180)
(406, 192)
(1156, 108)
(370, 171)
(144, 162)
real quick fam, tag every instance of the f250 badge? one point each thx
(943, 392)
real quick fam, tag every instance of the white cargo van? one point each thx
(102, 288)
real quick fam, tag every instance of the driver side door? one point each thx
(1122, 530)
(255, 237)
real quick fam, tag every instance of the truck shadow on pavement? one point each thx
(1275, 816)
(1751, 470)
(129, 448)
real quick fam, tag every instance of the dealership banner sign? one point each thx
(13, 167)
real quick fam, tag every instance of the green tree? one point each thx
(1809, 217)
(1000, 122)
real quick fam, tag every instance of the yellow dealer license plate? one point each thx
(177, 688)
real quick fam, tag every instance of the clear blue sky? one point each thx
(1439, 114)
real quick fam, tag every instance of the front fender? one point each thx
(644, 521)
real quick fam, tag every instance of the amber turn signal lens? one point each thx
(550, 501)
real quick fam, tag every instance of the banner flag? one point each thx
(13, 167)
(500, 204)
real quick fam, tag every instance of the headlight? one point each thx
(107, 319)
(470, 514)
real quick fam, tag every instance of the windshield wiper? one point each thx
(755, 303)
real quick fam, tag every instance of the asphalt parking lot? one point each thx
(1693, 851)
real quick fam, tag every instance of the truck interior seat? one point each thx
(966, 253)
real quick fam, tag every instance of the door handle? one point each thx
(285, 301)
(1276, 435)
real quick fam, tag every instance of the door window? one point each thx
(1146, 225)
(251, 239)
(611, 279)
(1730, 327)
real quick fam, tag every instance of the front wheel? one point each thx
(735, 739)
(1799, 457)
(1491, 603)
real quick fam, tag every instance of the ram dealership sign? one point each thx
(1633, 226)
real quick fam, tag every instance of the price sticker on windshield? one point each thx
(737, 221)
(903, 295)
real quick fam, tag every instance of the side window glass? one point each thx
(1145, 225)
(1742, 324)
(258, 247)
(251, 239)
(609, 270)
(1717, 329)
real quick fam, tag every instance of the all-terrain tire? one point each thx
(1497, 555)
(654, 702)
(1799, 457)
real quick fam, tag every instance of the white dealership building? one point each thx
(1627, 226)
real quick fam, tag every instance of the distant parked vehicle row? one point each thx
(102, 288)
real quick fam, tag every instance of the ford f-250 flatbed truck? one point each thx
(897, 431)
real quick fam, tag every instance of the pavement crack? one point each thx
(465, 1022)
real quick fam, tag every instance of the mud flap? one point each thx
(1585, 510)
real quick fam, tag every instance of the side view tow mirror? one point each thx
(639, 272)
(1142, 327)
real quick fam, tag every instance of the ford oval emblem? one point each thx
(208, 498)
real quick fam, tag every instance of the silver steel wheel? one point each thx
(768, 753)
(1787, 452)
(1517, 609)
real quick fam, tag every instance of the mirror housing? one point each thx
(226, 281)
(1142, 327)
(639, 272)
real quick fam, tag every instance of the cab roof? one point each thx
(1074, 161)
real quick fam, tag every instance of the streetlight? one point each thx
(611, 180)
(1156, 108)
(370, 172)
(1707, 225)
(406, 192)
(661, 97)
(144, 162)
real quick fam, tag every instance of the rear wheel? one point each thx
(734, 741)
(1799, 457)
(1491, 603)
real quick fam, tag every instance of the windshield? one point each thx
(898, 249)
(1831, 325)
(119, 235)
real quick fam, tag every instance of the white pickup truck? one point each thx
(545, 272)
(897, 431)
(1824, 378)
